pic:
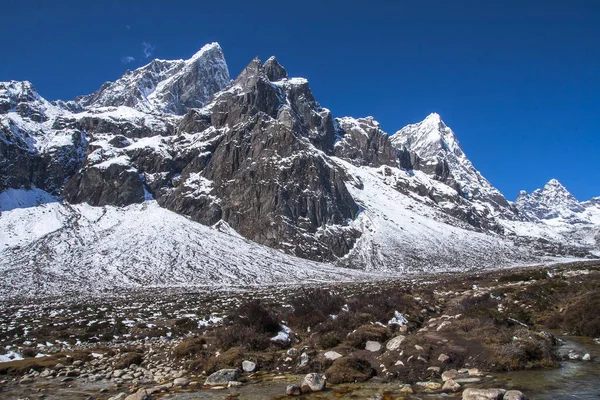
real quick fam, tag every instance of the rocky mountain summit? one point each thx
(164, 86)
(257, 159)
(553, 201)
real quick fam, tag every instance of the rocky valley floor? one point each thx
(428, 337)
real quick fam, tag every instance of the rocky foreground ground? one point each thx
(437, 335)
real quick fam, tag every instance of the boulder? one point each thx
(514, 395)
(406, 389)
(120, 396)
(141, 394)
(313, 383)
(332, 355)
(483, 394)
(394, 343)
(222, 377)
(293, 390)
(182, 382)
(450, 374)
(248, 366)
(372, 346)
(451, 386)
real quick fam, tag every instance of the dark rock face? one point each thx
(274, 71)
(43, 157)
(259, 172)
(362, 142)
(116, 185)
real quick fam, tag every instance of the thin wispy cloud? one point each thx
(127, 59)
(148, 49)
(128, 27)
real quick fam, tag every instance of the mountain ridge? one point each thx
(261, 157)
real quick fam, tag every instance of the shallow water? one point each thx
(573, 380)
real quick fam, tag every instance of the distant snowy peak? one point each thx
(429, 139)
(439, 150)
(165, 86)
(553, 201)
(21, 97)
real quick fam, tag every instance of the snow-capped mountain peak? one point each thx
(429, 138)
(165, 86)
(439, 150)
(553, 201)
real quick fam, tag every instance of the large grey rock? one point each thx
(141, 394)
(483, 394)
(451, 386)
(514, 395)
(332, 355)
(395, 343)
(372, 346)
(181, 382)
(293, 390)
(248, 366)
(313, 383)
(223, 377)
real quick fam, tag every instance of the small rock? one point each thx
(67, 379)
(573, 356)
(514, 395)
(120, 396)
(483, 394)
(141, 394)
(451, 386)
(182, 382)
(435, 370)
(372, 346)
(234, 384)
(467, 380)
(443, 325)
(117, 373)
(474, 372)
(26, 380)
(304, 359)
(406, 389)
(292, 352)
(443, 358)
(293, 390)
(450, 374)
(433, 385)
(586, 357)
(419, 348)
(223, 377)
(332, 355)
(313, 383)
(248, 366)
(395, 343)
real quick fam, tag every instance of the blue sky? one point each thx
(518, 81)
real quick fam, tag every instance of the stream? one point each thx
(574, 379)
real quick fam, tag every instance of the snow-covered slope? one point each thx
(165, 86)
(54, 248)
(411, 233)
